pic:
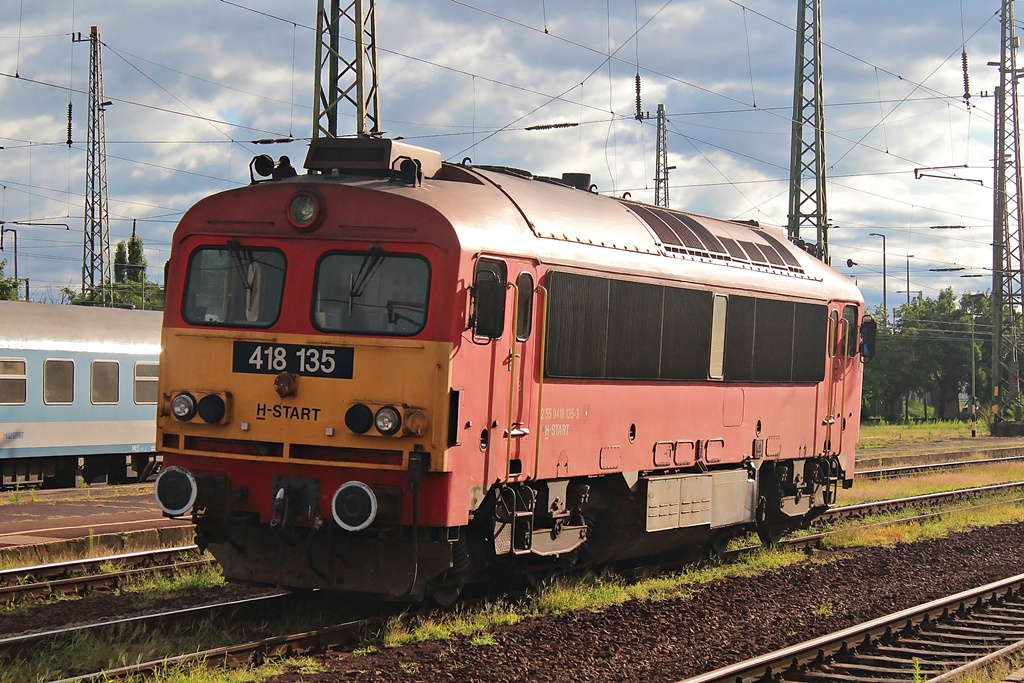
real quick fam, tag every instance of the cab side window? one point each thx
(488, 315)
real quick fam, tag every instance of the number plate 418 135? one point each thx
(273, 359)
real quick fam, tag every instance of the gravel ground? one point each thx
(726, 621)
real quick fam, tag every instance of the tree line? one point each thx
(925, 350)
(130, 288)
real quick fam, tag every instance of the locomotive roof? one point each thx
(513, 213)
(498, 211)
(52, 327)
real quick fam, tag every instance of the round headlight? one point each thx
(354, 506)
(212, 408)
(183, 406)
(387, 420)
(359, 418)
(302, 211)
(175, 490)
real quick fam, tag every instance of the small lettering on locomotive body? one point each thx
(11, 436)
(556, 430)
(281, 412)
(560, 413)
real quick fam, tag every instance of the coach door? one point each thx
(511, 326)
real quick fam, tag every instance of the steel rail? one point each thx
(926, 499)
(329, 636)
(87, 582)
(908, 470)
(42, 572)
(31, 639)
(823, 650)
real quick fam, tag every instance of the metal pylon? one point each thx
(340, 80)
(1007, 256)
(96, 240)
(661, 163)
(807, 205)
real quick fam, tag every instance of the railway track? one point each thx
(937, 640)
(174, 619)
(238, 655)
(334, 635)
(82, 576)
(927, 468)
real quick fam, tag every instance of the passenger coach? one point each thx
(393, 375)
(76, 384)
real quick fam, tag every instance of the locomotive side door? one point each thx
(842, 325)
(505, 313)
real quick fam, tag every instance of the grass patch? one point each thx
(592, 592)
(885, 529)
(868, 490)
(156, 586)
(149, 588)
(445, 626)
(199, 672)
(886, 435)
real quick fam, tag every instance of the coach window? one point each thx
(13, 382)
(372, 292)
(146, 376)
(104, 385)
(717, 365)
(234, 286)
(524, 310)
(58, 381)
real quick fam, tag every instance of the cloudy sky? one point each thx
(194, 83)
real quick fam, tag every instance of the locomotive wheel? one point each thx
(446, 595)
(720, 543)
(770, 528)
(771, 533)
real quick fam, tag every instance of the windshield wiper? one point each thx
(242, 258)
(372, 260)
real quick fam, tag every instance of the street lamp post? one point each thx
(909, 256)
(3, 231)
(885, 304)
(14, 232)
(974, 402)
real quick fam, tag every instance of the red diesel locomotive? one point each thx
(391, 375)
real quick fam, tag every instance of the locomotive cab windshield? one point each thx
(234, 286)
(372, 293)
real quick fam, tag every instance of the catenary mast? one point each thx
(96, 240)
(1007, 257)
(807, 205)
(340, 80)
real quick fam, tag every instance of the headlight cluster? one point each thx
(212, 408)
(360, 418)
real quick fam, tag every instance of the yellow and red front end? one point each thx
(305, 387)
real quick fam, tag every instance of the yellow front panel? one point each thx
(244, 368)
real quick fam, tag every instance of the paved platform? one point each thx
(37, 527)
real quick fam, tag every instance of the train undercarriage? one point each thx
(530, 530)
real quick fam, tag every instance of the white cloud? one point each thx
(451, 75)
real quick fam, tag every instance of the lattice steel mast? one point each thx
(96, 240)
(1007, 256)
(340, 80)
(661, 163)
(807, 206)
